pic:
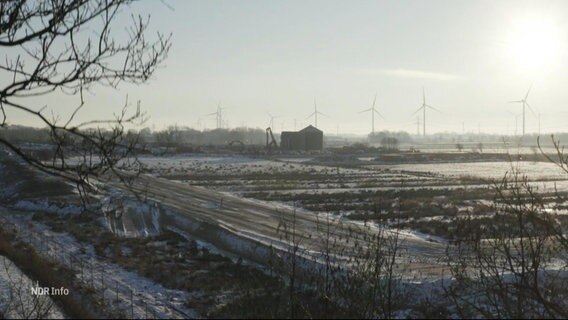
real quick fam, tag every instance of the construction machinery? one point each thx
(270, 141)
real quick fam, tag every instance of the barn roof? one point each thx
(311, 128)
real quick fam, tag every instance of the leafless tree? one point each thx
(373, 286)
(18, 301)
(68, 46)
(513, 267)
(390, 143)
(353, 271)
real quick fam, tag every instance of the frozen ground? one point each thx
(116, 285)
(535, 171)
(366, 191)
(16, 299)
(511, 148)
(230, 165)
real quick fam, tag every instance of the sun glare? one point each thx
(534, 43)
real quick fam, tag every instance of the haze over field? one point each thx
(260, 57)
(420, 180)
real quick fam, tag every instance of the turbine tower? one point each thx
(418, 125)
(315, 113)
(423, 108)
(373, 110)
(525, 104)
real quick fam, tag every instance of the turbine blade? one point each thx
(529, 91)
(423, 96)
(380, 115)
(366, 110)
(311, 115)
(323, 114)
(516, 101)
(415, 112)
(530, 108)
(374, 100)
(432, 108)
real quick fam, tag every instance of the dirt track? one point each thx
(261, 221)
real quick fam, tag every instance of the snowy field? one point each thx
(431, 196)
(233, 165)
(251, 173)
(467, 146)
(535, 171)
(241, 166)
(148, 297)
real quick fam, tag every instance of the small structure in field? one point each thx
(308, 139)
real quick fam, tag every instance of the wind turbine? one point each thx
(219, 115)
(423, 108)
(525, 104)
(373, 110)
(315, 113)
(271, 124)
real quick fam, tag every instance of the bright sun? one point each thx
(534, 43)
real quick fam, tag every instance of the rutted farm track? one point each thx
(261, 222)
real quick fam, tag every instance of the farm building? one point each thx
(308, 139)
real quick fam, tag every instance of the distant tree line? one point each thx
(384, 136)
(22, 134)
(175, 136)
(178, 136)
(172, 136)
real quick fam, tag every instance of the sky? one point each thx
(256, 58)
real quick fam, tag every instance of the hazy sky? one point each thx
(256, 57)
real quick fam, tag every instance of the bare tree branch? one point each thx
(67, 46)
